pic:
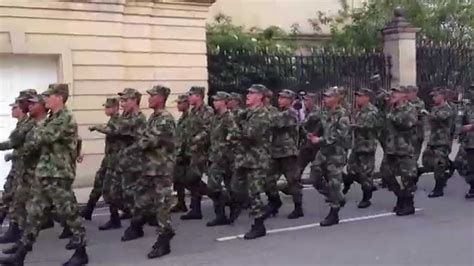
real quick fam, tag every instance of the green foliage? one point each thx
(359, 28)
(225, 36)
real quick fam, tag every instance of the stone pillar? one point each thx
(399, 38)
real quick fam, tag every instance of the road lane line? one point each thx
(306, 226)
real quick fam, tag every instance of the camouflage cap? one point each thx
(39, 98)
(14, 104)
(57, 89)
(310, 96)
(364, 92)
(259, 88)
(159, 90)
(333, 91)
(439, 91)
(25, 94)
(287, 94)
(197, 90)
(221, 96)
(182, 98)
(111, 102)
(130, 93)
(236, 96)
(412, 88)
(401, 89)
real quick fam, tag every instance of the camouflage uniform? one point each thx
(401, 123)
(467, 118)
(130, 158)
(419, 135)
(326, 169)
(221, 158)
(284, 151)
(56, 141)
(361, 163)
(439, 144)
(197, 149)
(270, 187)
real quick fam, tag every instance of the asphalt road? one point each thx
(440, 233)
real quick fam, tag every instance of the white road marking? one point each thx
(306, 226)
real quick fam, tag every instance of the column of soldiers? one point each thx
(243, 150)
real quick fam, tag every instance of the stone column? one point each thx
(399, 38)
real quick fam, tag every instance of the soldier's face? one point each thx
(396, 97)
(308, 102)
(330, 101)
(110, 111)
(36, 109)
(362, 99)
(220, 104)
(24, 105)
(254, 99)
(438, 99)
(128, 104)
(53, 101)
(232, 104)
(194, 99)
(16, 112)
(284, 102)
(155, 101)
(183, 106)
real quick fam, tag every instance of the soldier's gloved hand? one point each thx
(8, 157)
(92, 128)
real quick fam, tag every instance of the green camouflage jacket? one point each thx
(128, 132)
(223, 129)
(255, 138)
(366, 129)
(400, 124)
(420, 129)
(112, 142)
(284, 134)
(31, 154)
(440, 120)
(198, 129)
(157, 140)
(181, 137)
(312, 123)
(336, 136)
(467, 118)
(57, 139)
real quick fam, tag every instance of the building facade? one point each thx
(98, 47)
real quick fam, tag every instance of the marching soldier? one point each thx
(56, 141)
(327, 167)
(130, 159)
(401, 122)
(221, 158)
(235, 102)
(182, 160)
(361, 163)
(16, 142)
(284, 150)
(252, 165)
(106, 183)
(440, 141)
(197, 145)
(467, 129)
(419, 105)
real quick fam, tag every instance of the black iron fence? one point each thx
(235, 71)
(449, 65)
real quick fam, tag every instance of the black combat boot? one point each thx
(273, 206)
(297, 212)
(134, 231)
(407, 208)
(18, 258)
(114, 222)
(470, 193)
(3, 215)
(220, 219)
(399, 204)
(332, 218)
(347, 181)
(14, 248)
(181, 204)
(162, 245)
(48, 223)
(195, 212)
(66, 233)
(79, 258)
(87, 211)
(437, 191)
(12, 235)
(258, 229)
(365, 202)
(235, 211)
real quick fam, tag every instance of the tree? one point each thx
(223, 35)
(359, 28)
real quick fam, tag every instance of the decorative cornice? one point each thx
(399, 24)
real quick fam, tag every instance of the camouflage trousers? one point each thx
(153, 197)
(401, 173)
(470, 161)
(193, 178)
(436, 159)
(418, 145)
(247, 184)
(179, 175)
(96, 192)
(326, 175)
(220, 173)
(360, 168)
(112, 189)
(128, 181)
(460, 162)
(22, 195)
(8, 193)
(47, 192)
(288, 167)
(305, 156)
